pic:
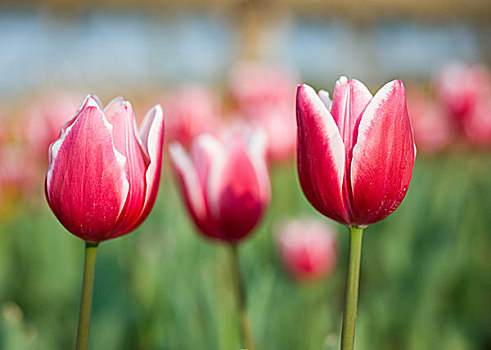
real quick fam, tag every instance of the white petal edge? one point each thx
(330, 130)
(325, 98)
(192, 187)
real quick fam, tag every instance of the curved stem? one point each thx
(86, 301)
(245, 330)
(352, 282)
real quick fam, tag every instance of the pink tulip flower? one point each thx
(225, 185)
(477, 125)
(356, 153)
(433, 129)
(191, 110)
(265, 98)
(44, 118)
(103, 174)
(308, 248)
(459, 86)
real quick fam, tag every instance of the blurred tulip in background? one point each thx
(191, 110)
(225, 184)
(265, 98)
(307, 248)
(433, 129)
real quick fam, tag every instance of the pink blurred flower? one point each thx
(15, 177)
(308, 248)
(356, 154)
(265, 97)
(477, 126)
(103, 174)
(225, 185)
(192, 110)
(433, 130)
(44, 118)
(459, 86)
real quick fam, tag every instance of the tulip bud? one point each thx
(307, 248)
(225, 185)
(356, 155)
(103, 174)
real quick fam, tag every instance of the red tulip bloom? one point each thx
(308, 248)
(225, 185)
(356, 154)
(103, 174)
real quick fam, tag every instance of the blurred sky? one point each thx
(107, 50)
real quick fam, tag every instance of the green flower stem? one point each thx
(352, 282)
(86, 301)
(245, 330)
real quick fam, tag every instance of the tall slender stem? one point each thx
(86, 301)
(245, 330)
(352, 282)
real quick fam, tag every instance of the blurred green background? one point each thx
(425, 279)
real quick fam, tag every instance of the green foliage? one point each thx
(424, 281)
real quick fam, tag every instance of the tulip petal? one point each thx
(127, 143)
(204, 151)
(258, 154)
(383, 156)
(115, 104)
(86, 173)
(350, 98)
(321, 155)
(191, 189)
(151, 134)
(234, 193)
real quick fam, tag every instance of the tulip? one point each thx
(433, 131)
(460, 86)
(477, 126)
(191, 110)
(225, 186)
(307, 248)
(355, 160)
(44, 118)
(102, 179)
(264, 97)
(101, 159)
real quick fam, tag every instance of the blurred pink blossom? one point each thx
(16, 172)
(265, 96)
(459, 86)
(433, 130)
(465, 91)
(44, 119)
(191, 110)
(477, 126)
(308, 248)
(224, 183)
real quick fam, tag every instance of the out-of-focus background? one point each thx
(426, 269)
